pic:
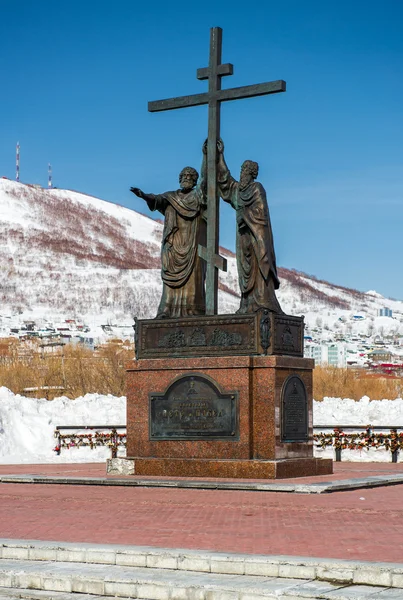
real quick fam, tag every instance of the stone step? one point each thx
(103, 580)
(26, 594)
(200, 561)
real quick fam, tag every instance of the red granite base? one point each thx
(258, 449)
(235, 469)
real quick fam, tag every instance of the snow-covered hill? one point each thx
(70, 255)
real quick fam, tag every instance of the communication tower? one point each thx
(17, 163)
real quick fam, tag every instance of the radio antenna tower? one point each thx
(17, 163)
(49, 176)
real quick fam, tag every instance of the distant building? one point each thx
(313, 351)
(336, 355)
(48, 347)
(327, 354)
(380, 355)
(385, 312)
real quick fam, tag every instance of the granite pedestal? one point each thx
(240, 401)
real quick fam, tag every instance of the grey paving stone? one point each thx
(355, 592)
(391, 594)
(26, 594)
(308, 488)
(312, 589)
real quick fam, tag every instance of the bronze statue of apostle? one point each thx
(182, 270)
(256, 259)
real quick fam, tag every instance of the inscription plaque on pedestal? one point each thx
(193, 407)
(294, 406)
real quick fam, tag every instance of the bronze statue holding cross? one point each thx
(255, 252)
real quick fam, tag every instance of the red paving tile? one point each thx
(363, 524)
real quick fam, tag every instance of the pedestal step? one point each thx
(232, 468)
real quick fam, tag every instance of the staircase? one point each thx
(61, 571)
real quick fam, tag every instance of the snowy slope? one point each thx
(70, 255)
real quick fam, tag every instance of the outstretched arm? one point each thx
(151, 199)
(226, 182)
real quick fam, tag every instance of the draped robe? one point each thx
(256, 259)
(182, 270)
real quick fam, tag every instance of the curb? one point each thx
(253, 486)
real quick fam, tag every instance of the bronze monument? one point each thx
(218, 395)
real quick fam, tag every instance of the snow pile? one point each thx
(335, 411)
(27, 426)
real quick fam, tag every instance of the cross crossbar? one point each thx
(219, 261)
(246, 91)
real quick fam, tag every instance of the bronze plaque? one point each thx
(288, 335)
(196, 336)
(294, 405)
(193, 408)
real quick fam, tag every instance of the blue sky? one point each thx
(76, 78)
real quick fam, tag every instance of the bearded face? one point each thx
(187, 181)
(188, 178)
(245, 178)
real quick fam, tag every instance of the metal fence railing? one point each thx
(354, 437)
(342, 437)
(113, 436)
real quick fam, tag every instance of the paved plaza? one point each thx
(364, 524)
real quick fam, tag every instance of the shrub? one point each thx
(74, 369)
(353, 383)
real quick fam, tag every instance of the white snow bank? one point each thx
(27, 426)
(337, 411)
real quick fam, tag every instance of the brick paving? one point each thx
(362, 524)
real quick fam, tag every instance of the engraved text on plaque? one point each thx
(193, 408)
(294, 405)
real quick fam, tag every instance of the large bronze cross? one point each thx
(213, 98)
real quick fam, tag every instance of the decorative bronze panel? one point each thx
(263, 332)
(289, 335)
(294, 408)
(193, 408)
(196, 336)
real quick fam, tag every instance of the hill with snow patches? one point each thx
(67, 255)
